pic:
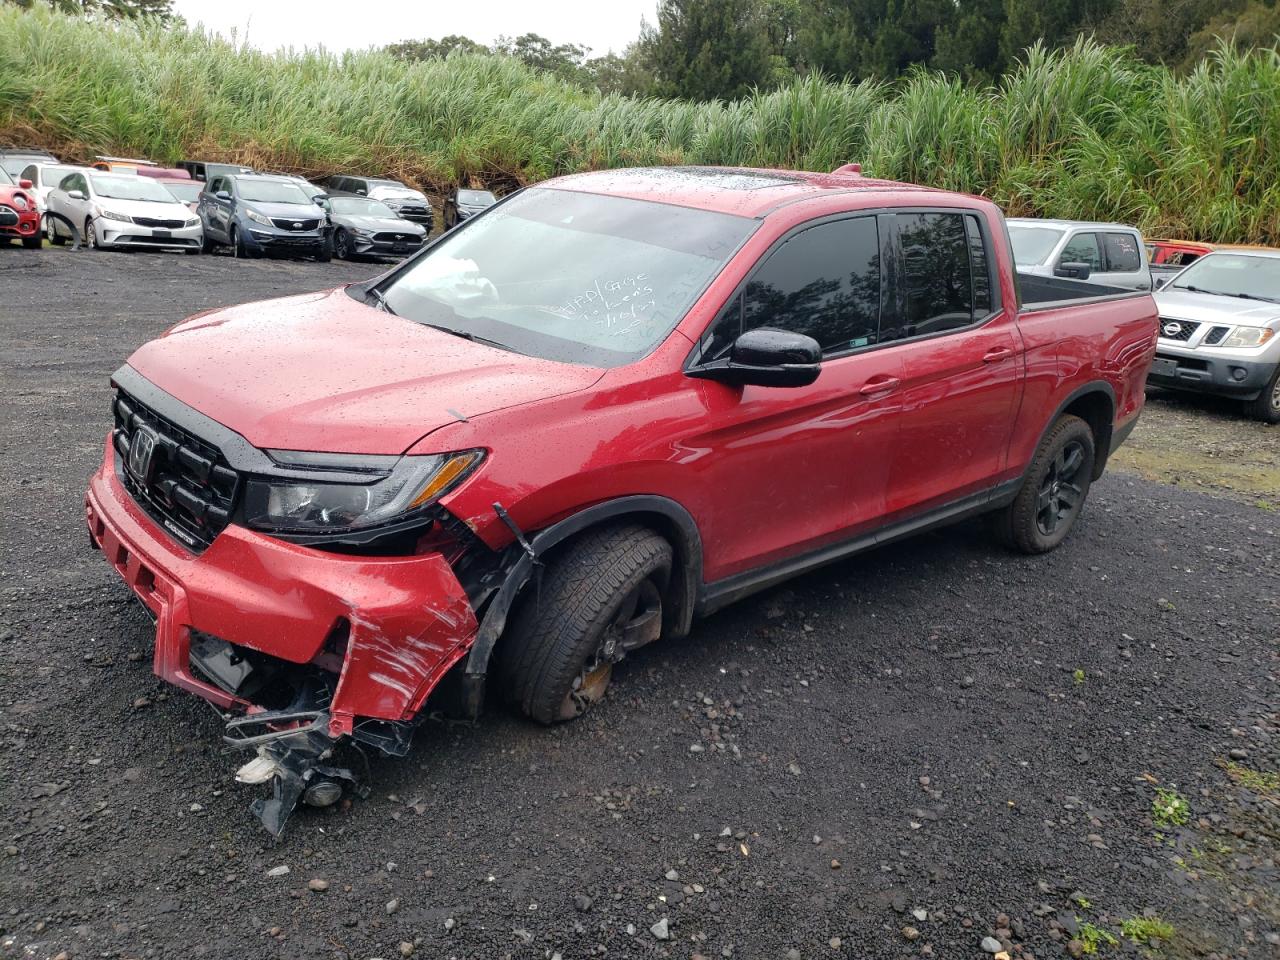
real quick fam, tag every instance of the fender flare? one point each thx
(1093, 386)
(688, 544)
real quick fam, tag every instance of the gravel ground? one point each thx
(899, 756)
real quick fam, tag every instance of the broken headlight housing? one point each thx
(372, 492)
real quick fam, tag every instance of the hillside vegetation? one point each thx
(1087, 132)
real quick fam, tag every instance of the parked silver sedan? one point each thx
(121, 211)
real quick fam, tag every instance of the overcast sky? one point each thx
(602, 25)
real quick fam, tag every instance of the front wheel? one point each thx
(598, 600)
(91, 235)
(342, 245)
(33, 243)
(1266, 405)
(1052, 492)
(239, 248)
(51, 232)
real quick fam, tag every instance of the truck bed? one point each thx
(1044, 293)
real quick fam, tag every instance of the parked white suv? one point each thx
(1220, 330)
(1110, 254)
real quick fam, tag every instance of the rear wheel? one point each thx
(1053, 491)
(1266, 405)
(600, 599)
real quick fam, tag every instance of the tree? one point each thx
(565, 60)
(111, 9)
(708, 49)
(871, 38)
(1256, 25)
(1055, 23)
(434, 49)
(970, 45)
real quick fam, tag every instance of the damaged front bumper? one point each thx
(273, 630)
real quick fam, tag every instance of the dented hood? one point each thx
(324, 372)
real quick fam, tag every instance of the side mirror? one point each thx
(222, 195)
(75, 194)
(767, 358)
(361, 193)
(1073, 271)
(321, 202)
(25, 184)
(1160, 282)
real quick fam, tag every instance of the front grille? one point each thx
(418, 214)
(387, 237)
(189, 488)
(8, 216)
(1216, 335)
(1181, 329)
(288, 223)
(159, 224)
(272, 241)
(158, 241)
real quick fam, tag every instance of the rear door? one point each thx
(961, 358)
(1126, 260)
(801, 467)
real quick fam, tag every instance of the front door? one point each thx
(801, 467)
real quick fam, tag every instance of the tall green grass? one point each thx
(1087, 132)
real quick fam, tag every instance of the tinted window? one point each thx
(217, 184)
(31, 173)
(979, 267)
(936, 273)
(1122, 252)
(272, 191)
(1082, 248)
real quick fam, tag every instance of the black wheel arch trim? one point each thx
(688, 545)
(1102, 450)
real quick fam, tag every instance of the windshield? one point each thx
(130, 188)
(1032, 245)
(389, 188)
(4, 177)
(272, 191)
(1233, 275)
(360, 207)
(476, 198)
(15, 165)
(187, 191)
(575, 277)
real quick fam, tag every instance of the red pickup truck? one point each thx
(606, 406)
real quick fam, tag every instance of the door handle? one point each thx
(880, 385)
(996, 354)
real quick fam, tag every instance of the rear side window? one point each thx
(1083, 248)
(938, 273)
(823, 282)
(1122, 253)
(32, 173)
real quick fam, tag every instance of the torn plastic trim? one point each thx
(494, 621)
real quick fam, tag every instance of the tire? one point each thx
(51, 232)
(239, 248)
(325, 253)
(1053, 491)
(342, 245)
(1266, 405)
(206, 243)
(194, 251)
(90, 235)
(598, 599)
(33, 243)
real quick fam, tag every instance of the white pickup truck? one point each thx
(1220, 330)
(1111, 254)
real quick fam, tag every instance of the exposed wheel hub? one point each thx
(638, 621)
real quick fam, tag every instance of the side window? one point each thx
(823, 282)
(1083, 248)
(219, 183)
(979, 268)
(1122, 253)
(32, 173)
(937, 273)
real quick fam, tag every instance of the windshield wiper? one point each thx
(468, 335)
(1224, 293)
(380, 301)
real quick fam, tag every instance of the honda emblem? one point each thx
(142, 452)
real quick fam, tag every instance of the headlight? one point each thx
(193, 222)
(256, 217)
(20, 201)
(363, 234)
(1248, 337)
(110, 215)
(397, 488)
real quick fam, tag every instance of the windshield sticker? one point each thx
(618, 305)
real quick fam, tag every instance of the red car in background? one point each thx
(602, 408)
(19, 215)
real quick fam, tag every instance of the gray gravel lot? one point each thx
(898, 756)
